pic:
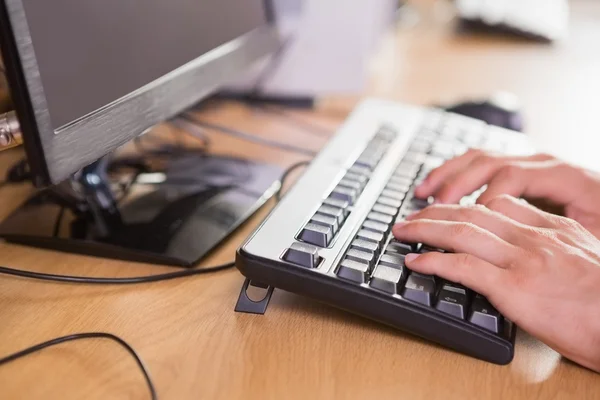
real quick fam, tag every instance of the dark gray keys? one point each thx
(387, 279)
(392, 260)
(383, 209)
(399, 248)
(388, 201)
(303, 254)
(355, 271)
(371, 236)
(420, 289)
(337, 203)
(325, 220)
(318, 235)
(365, 245)
(483, 314)
(376, 226)
(384, 218)
(452, 300)
(344, 193)
(361, 256)
(337, 213)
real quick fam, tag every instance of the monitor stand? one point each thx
(173, 217)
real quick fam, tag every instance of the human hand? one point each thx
(540, 270)
(535, 177)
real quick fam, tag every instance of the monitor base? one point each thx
(173, 217)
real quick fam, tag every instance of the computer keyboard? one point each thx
(330, 236)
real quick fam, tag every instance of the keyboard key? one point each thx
(483, 314)
(407, 171)
(318, 235)
(420, 289)
(361, 256)
(419, 203)
(365, 245)
(303, 254)
(357, 169)
(376, 237)
(357, 178)
(367, 162)
(337, 203)
(398, 187)
(420, 146)
(388, 201)
(355, 271)
(399, 180)
(326, 220)
(383, 209)
(337, 213)
(453, 300)
(415, 157)
(399, 248)
(392, 260)
(347, 183)
(387, 133)
(376, 226)
(387, 279)
(384, 218)
(343, 193)
(428, 249)
(393, 194)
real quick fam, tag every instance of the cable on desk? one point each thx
(86, 335)
(285, 175)
(113, 281)
(249, 137)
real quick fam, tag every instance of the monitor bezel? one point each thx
(55, 154)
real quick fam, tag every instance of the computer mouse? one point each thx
(501, 110)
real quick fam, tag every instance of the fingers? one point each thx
(458, 237)
(494, 222)
(436, 178)
(465, 174)
(465, 269)
(520, 211)
(552, 180)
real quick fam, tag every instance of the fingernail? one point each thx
(411, 257)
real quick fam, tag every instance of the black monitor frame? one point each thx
(55, 154)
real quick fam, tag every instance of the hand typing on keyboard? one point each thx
(535, 177)
(540, 270)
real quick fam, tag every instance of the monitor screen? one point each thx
(87, 76)
(91, 53)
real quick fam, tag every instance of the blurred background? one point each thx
(537, 58)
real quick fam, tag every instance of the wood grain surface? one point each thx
(193, 343)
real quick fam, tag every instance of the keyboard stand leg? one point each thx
(247, 305)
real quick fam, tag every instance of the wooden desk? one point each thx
(193, 343)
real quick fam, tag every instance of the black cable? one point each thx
(249, 137)
(114, 281)
(285, 175)
(86, 335)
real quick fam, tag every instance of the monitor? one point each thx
(88, 76)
